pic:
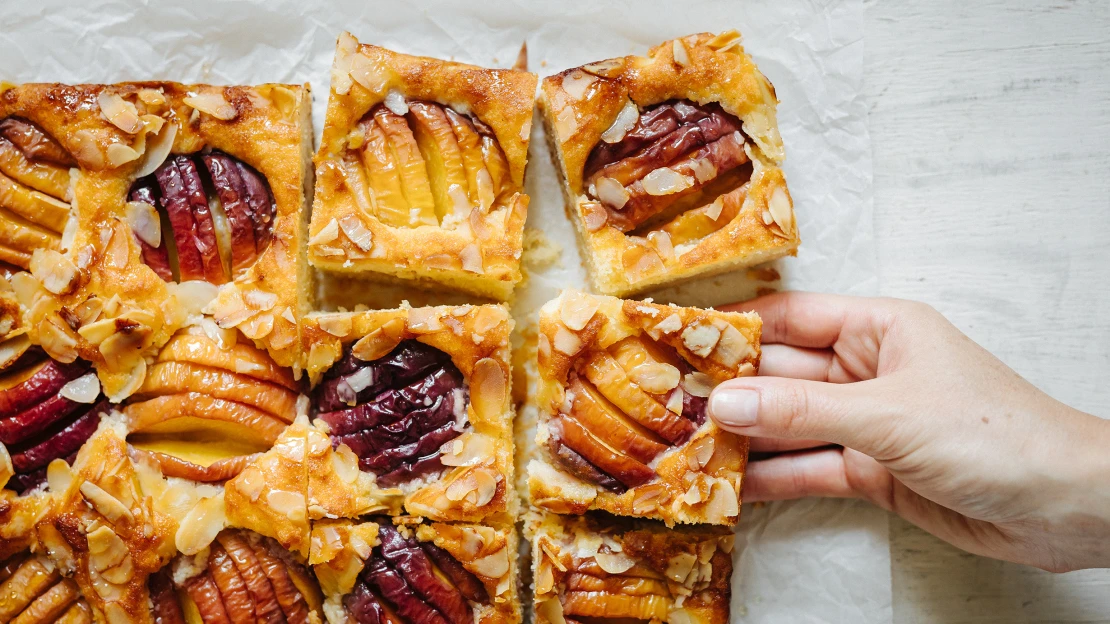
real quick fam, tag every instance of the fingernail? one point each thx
(735, 406)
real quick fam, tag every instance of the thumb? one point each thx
(779, 407)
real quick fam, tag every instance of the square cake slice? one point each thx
(420, 171)
(192, 202)
(622, 394)
(420, 397)
(595, 569)
(403, 570)
(671, 163)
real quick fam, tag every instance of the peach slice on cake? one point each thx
(204, 408)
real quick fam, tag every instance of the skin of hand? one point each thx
(925, 423)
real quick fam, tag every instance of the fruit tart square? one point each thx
(622, 394)
(192, 199)
(420, 396)
(404, 570)
(671, 163)
(600, 569)
(420, 171)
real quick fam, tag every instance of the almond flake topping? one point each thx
(213, 103)
(577, 82)
(679, 52)
(120, 112)
(626, 120)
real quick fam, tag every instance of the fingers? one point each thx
(778, 360)
(802, 319)
(776, 445)
(831, 472)
(853, 415)
(797, 475)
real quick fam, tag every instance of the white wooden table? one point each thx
(990, 124)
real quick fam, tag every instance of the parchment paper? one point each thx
(809, 561)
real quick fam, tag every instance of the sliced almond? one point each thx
(698, 384)
(143, 220)
(781, 212)
(338, 325)
(84, 389)
(594, 216)
(565, 123)
(396, 103)
(577, 82)
(56, 272)
(120, 112)
(567, 342)
(577, 308)
(213, 103)
(109, 506)
(471, 257)
(358, 234)
(605, 69)
(489, 389)
(626, 119)
(678, 51)
(655, 377)
(492, 566)
(614, 563)
(665, 181)
(611, 193)
(700, 338)
(199, 527)
(120, 154)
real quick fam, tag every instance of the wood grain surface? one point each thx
(990, 124)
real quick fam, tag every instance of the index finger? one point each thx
(801, 319)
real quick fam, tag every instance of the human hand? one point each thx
(933, 428)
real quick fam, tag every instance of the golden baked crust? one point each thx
(621, 401)
(373, 207)
(478, 563)
(113, 133)
(478, 483)
(582, 104)
(585, 566)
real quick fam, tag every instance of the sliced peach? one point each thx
(22, 236)
(178, 377)
(163, 599)
(181, 413)
(292, 601)
(384, 178)
(207, 240)
(241, 358)
(80, 613)
(31, 580)
(173, 466)
(611, 461)
(205, 596)
(606, 605)
(497, 165)
(629, 585)
(266, 606)
(183, 223)
(613, 383)
(12, 564)
(40, 176)
(700, 222)
(470, 147)
(406, 154)
(14, 257)
(635, 350)
(47, 607)
(36, 207)
(233, 591)
(34, 143)
(441, 154)
(26, 387)
(609, 424)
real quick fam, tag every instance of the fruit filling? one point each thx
(426, 165)
(216, 211)
(206, 408)
(624, 406)
(677, 157)
(246, 579)
(406, 581)
(47, 411)
(34, 191)
(395, 412)
(32, 589)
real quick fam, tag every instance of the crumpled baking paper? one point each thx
(806, 561)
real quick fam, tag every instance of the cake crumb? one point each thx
(540, 252)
